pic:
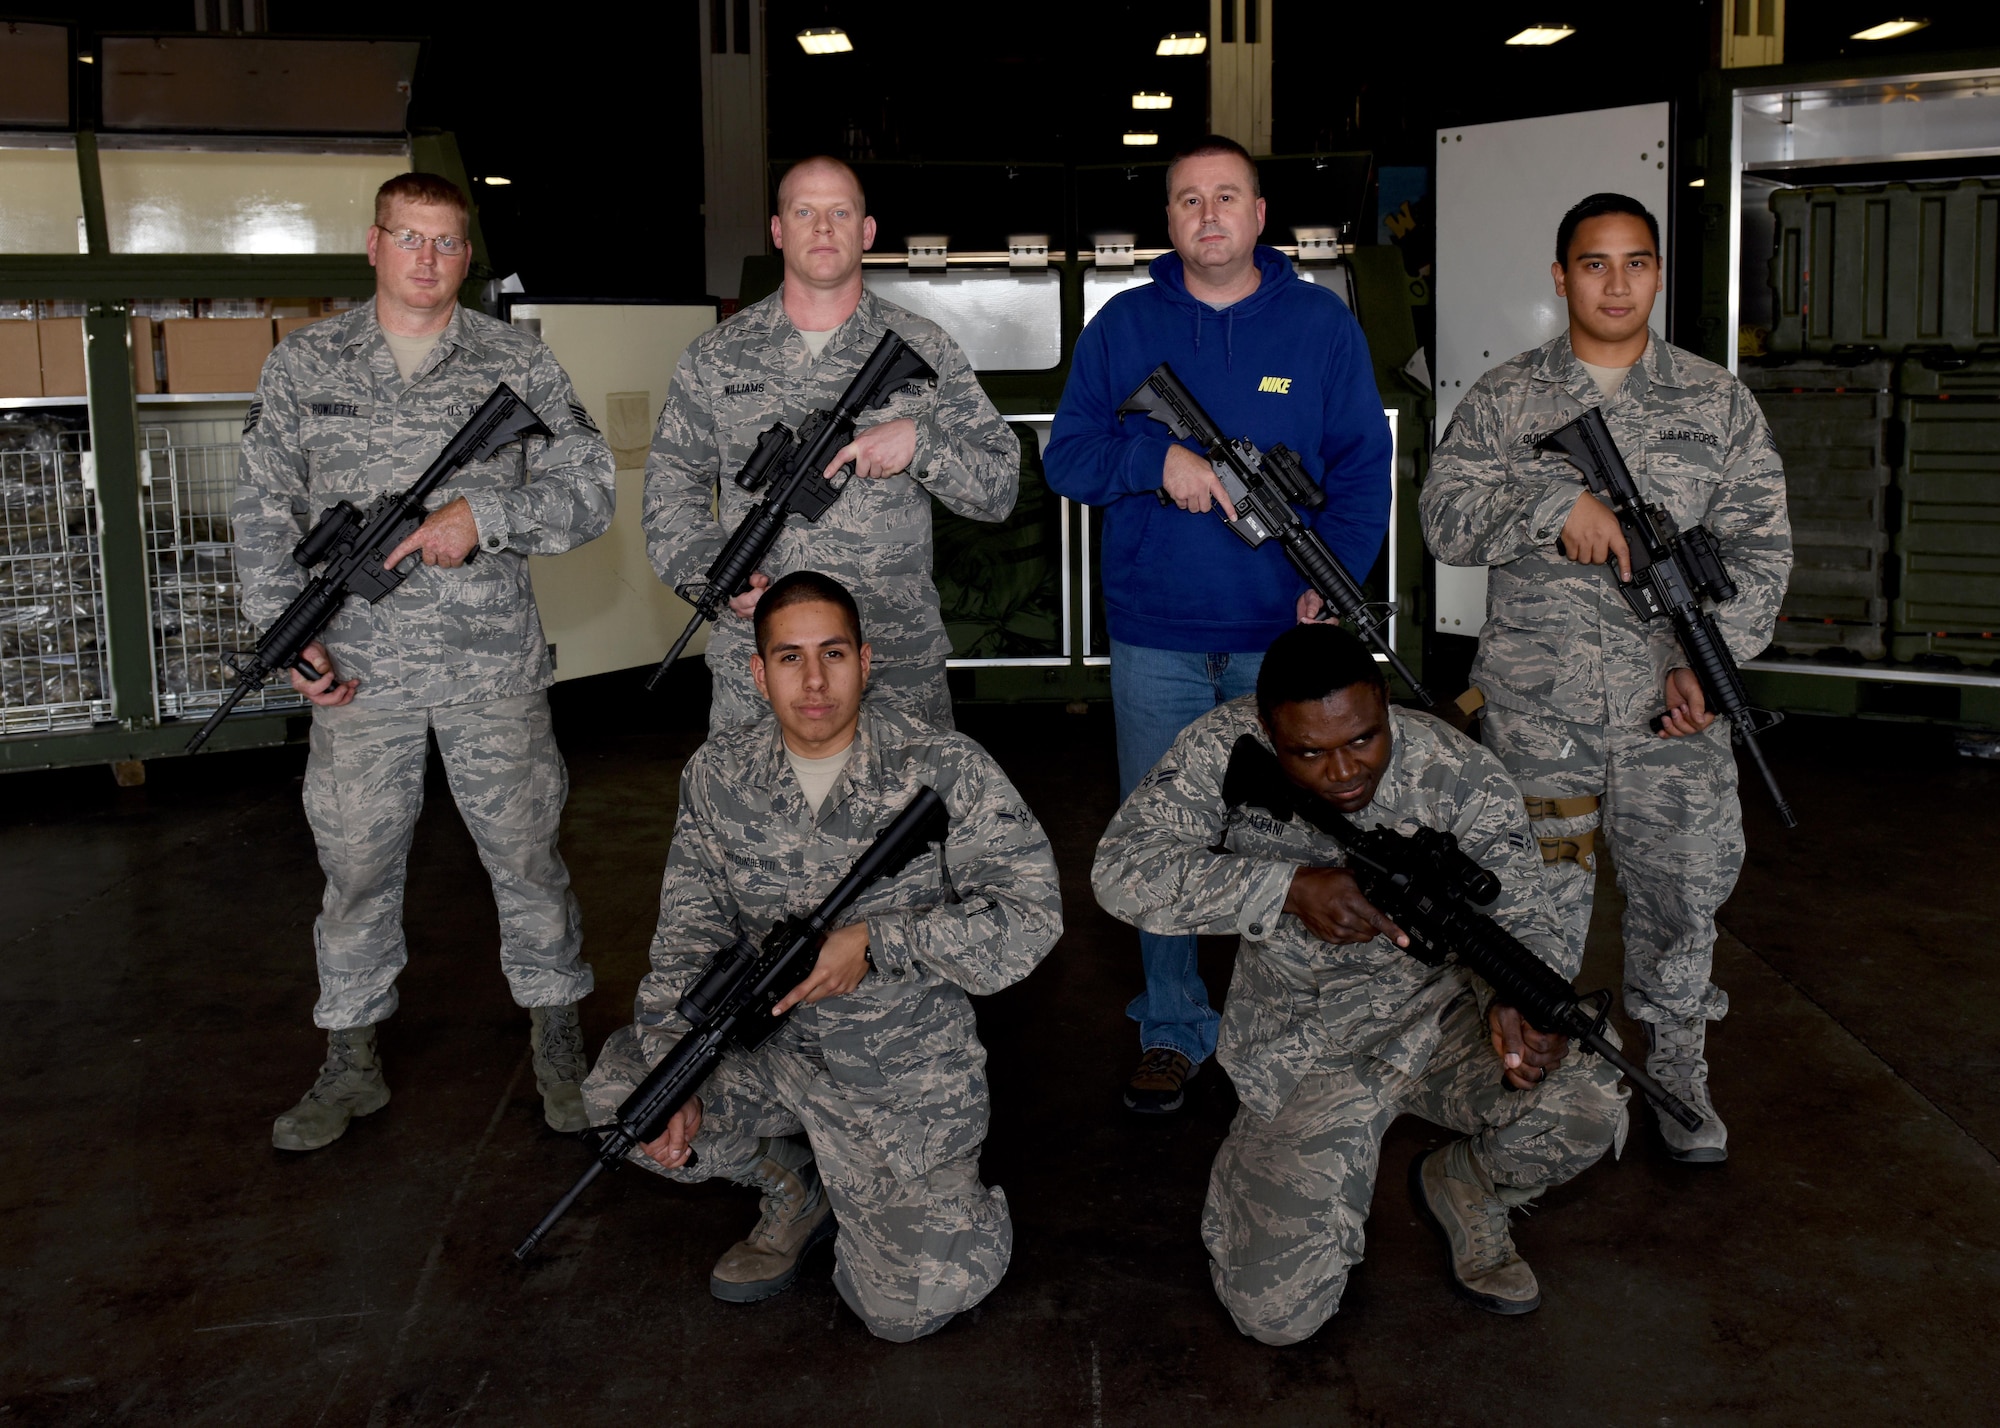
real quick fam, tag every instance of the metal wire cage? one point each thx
(51, 585)
(191, 569)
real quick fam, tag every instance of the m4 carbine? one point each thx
(730, 1003)
(353, 544)
(1672, 570)
(792, 464)
(1426, 884)
(1264, 486)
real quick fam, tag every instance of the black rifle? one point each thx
(1427, 886)
(1672, 570)
(730, 1003)
(1263, 486)
(794, 464)
(354, 543)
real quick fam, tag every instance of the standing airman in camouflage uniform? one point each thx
(781, 359)
(1571, 678)
(1329, 1031)
(866, 1111)
(348, 409)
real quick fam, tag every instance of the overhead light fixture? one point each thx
(1543, 34)
(1138, 138)
(1183, 42)
(496, 181)
(87, 58)
(1697, 183)
(825, 40)
(1151, 99)
(1889, 30)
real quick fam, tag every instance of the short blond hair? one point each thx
(432, 190)
(815, 162)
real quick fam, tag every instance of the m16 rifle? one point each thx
(1264, 486)
(730, 1003)
(1672, 570)
(353, 544)
(1431, 889)
(791, 465)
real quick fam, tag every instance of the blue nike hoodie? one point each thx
(1286, 364)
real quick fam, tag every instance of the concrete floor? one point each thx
(162, 1264)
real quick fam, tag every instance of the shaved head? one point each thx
(823, 168)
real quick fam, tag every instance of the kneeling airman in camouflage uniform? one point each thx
(351, 408)
(1329, 1031)
(1572, 679)
(865, 1113)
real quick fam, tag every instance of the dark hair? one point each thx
(1597, 206)
(804, 587)
(1308, 663)
(817, 160)
(430, 189)
(1207, 146)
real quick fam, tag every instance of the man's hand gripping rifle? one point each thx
(1430, 889)
(1264, 486)
(355, 543)
(730, 1004)
(1672, 570)
(792, 464)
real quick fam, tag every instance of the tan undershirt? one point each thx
(816, 776)
(410, 352)
(816, 341)
(1608, 379)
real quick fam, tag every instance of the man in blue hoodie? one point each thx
(1189, 605)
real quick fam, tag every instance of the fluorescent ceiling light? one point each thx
(1183, 42)
(1697, 183)
(1543, 34)
(1889, 29)
(1150, 99)
(87, 58)
(496, 180)
(825, 40)
(1140, 137)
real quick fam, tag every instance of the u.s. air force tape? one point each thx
(250, 417)
(583, 418)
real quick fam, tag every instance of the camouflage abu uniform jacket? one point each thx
(1560, 641)
(334, 420)
(734, 381)
(974, 914)
(1296, 1001)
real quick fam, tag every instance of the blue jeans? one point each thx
(1154, 695)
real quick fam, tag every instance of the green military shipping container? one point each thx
(1898, 267)
(1948, 602)
(1832, 426)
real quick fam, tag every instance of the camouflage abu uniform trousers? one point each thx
(1572, 678)
(458, 653)
(732, 383)
(888, 1082)
(1328, 1044)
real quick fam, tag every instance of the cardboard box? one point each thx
(215, 354)
(20, 359)
(286, 326)
(145, 375)
(62, 356)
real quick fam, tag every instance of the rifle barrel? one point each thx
(687, 633)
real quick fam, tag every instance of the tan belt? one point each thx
(1578, 848)
(1560, 807)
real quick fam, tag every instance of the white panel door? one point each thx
(1501, 190)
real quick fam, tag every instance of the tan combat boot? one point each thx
(557, 1042)
(350, 1084)
(1674, 1058)
(1455, 1197)
(796, 1216)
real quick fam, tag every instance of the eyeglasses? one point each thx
(447, 245)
